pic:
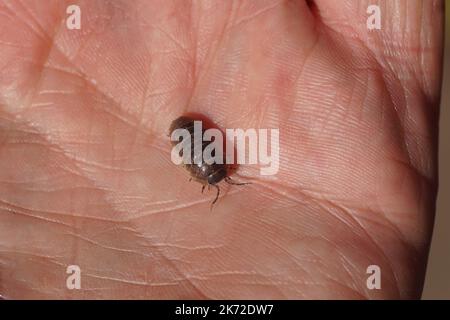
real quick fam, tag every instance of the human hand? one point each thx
(85, 170)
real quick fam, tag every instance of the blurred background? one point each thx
(437, 282)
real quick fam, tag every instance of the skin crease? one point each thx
(85, 171)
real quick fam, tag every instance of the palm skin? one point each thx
(85, 172)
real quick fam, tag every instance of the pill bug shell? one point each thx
(200, 171)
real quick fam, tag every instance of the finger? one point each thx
(405, 54)
(261, 45)
(409, 43)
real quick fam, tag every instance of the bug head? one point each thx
(217, 176)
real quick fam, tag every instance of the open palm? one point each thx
(85, 172)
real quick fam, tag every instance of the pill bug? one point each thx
(200, 171)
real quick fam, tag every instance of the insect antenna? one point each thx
(230, 181)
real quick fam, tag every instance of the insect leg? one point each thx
(217, 195)
(203, 188)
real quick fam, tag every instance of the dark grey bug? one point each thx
(200, 171)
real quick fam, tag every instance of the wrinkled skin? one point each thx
(85, 172)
